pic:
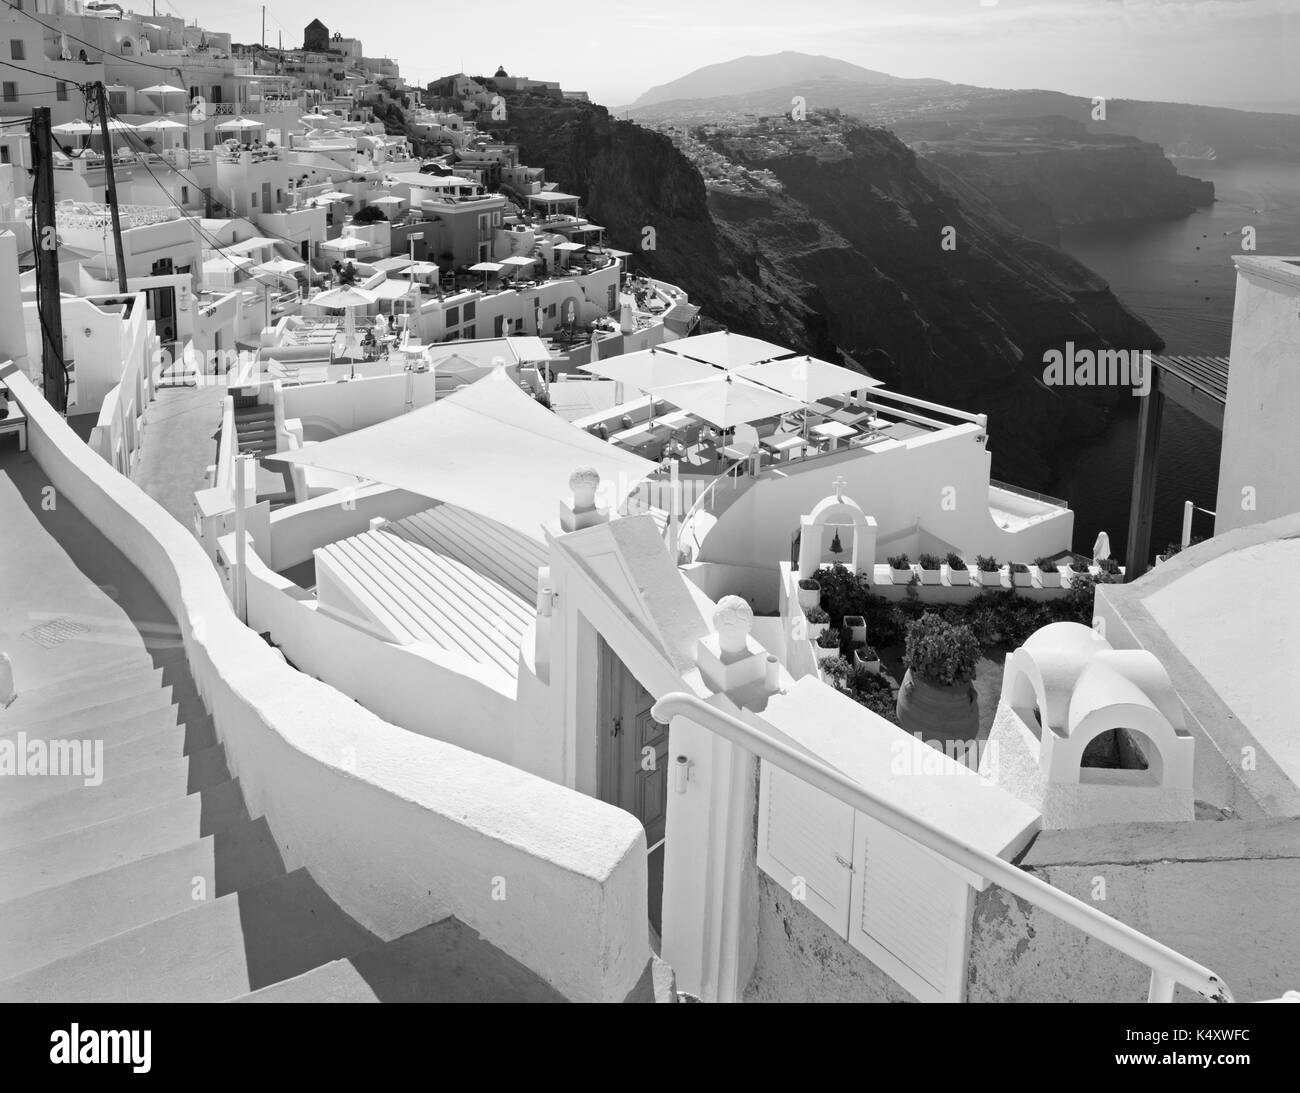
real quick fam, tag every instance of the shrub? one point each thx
(940, 651)
(1109, 565)
(930, 561)
(836, 670)
(955, 561)
(987, 563)
(1019, 567)
(809, 585)
(369, 215)
(828, 639)
(868, 652)
(1047, 565)
(899, 561)
(816, 615)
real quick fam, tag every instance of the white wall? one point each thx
(1261, 424)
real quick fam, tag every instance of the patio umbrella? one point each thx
(161, 124)
(280, 267)
(652, 369)
(76, 128)
(348, 299)
(239, 124)
(725, 400)
(162, 89)
(806, 378)
(728, 350)
(518, 261)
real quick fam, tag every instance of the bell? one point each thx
(836, 546)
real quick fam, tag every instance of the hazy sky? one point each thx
(1222, 52)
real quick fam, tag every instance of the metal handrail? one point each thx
(1167, 966)
(1060, 502)
(705, 495)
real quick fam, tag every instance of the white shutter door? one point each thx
(805, 840)
(910, 913)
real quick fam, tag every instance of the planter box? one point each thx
(930, 576)
(900, 576)
(1050, 580)
(857, 628)
(958, 576)
(810, 597)
(1022, 580)
(825, 654)
(991, 580)
(869, 665)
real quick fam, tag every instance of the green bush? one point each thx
(955, 561)
(899, 561)
(930, 561)
(987, 563)
(940, 651)
(1046, 565)
(816, 615)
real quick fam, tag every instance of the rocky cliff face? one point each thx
(851, 256)
(1099, 181)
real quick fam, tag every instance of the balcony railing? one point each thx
(1168, 968)
(1046, 498)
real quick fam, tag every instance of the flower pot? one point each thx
(930, 576)
(869, 665)
(938, 712)
(825, 654)
(958, 575)
(900, 576)
(1049, 580)
(857, 628)
(1022, 580)
(810, 597)
(991, 580)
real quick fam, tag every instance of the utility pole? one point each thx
(110, 183)
(47, 261)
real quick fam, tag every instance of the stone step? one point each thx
(446, 961)
(87, 695)
(48, 862)
(51, 923)
(119, 709)
(128, 728)
(131, 666)
(17, 792)
(218, 950)
(87, 805)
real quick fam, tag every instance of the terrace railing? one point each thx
(1168, 968)
(1046, 498)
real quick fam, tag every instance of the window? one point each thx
(468, 332)
(254, 196)
(16, 50)
(470, 308)
(10, 91)
(185, 195)
(498, 326)
(61, 91)
(612, 298)
(4, 153)
(453, 316)
(550, 311)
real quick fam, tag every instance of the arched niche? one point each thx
(829, 515)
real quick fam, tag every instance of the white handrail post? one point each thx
(1188, 509)
(1161, 989)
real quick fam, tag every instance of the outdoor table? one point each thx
(783, 445)
(833, 431)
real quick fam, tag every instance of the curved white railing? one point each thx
(1168, 967)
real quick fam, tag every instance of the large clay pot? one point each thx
(937, 712)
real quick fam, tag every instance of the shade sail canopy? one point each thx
(391, 265)
(806, 378)
(391, 290)
(728, 350)
(570, 246)
(345, 296)
(280, 267)
(726, 401)
(488, 448)
(651, 369)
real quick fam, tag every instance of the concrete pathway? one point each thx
(181, 426)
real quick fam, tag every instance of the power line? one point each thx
(81, 41)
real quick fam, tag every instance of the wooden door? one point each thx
(635, 762)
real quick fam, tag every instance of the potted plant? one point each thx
(930, 564)
(818, 623)
(1020, 575)
(809, 594)
(856, 628)
(900, 568)
(1048, 573)
(990, 571)
(868, 658)
(958, 572)
(827, 645)
(937, 698)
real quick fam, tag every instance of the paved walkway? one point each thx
(181, 426)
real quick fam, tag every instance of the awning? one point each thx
(391, 290)
(245, 245)
(488, 448)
